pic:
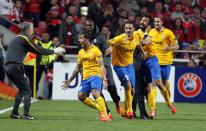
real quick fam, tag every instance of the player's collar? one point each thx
(160, 29)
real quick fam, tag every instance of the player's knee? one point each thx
(81, 96)
(95, 93)
(159, 84)
(149, 88)
(127, 84)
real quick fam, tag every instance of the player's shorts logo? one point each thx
(189, 85)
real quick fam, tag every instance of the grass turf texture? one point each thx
(75, 116)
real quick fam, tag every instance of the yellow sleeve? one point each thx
(98, 55)
(115, 41)
(79, 60)
(172, 38)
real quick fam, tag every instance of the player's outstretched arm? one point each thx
(75, 72)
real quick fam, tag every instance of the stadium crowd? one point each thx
(65, 18)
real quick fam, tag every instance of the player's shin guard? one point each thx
(88, 101)
(165, 94)
(101, 103)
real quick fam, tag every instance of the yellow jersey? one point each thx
(150, 49)
(123, 49)
(164, 38)
(89, 61)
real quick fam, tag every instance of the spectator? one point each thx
(144, 11)
(203, 22)
(198, 35)
(178, 12)
(178, 31)
(72, 11)
(5, 9)
(202, 3)
(196, 12)
(67, 33)
(187, 25)
(49, 74)
(131, 16)
(80, 26)
(187, 5)
(95, 11)
(16, 14)
(108, 14)
(43, 61)
(168, 5)
(54, 21)
(132, 6)
(137, 21)
(33, 11)
(118, 28)
(191, 63)
(158, 12)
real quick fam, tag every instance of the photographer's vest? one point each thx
(45, 59)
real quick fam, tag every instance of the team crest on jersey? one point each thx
(164, 36)
(189, 85)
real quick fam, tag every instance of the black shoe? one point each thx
(135, 116)
(143, 117)
(15, 116)
(28, 117)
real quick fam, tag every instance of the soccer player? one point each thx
(123, 47)
(99, 40)
(150, 46)
(14, 68)
(166, 43)
(94, 75)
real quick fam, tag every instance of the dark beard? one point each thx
(142, 27)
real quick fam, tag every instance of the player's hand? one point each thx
(167, 48)
(144, 55)
(65, 85)
(105, 84)
(148, 29)
(108, 51)
(59, 50)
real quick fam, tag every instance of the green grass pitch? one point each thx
(75, 116)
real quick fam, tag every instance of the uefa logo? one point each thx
(189, 85)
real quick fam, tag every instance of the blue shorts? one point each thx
(165, 71)
(94, 82)
(154, 68)
(125, 73)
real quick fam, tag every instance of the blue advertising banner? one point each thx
(190, 85)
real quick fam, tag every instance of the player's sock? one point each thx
(101, 104)
(88, 101)
(154, 90)
(151, 100)
(166, 96)
(128, 100)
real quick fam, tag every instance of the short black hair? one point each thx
(86, 34)
(150, 19)
(25, 26)
(128, 22)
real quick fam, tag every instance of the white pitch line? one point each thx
(10, 108)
